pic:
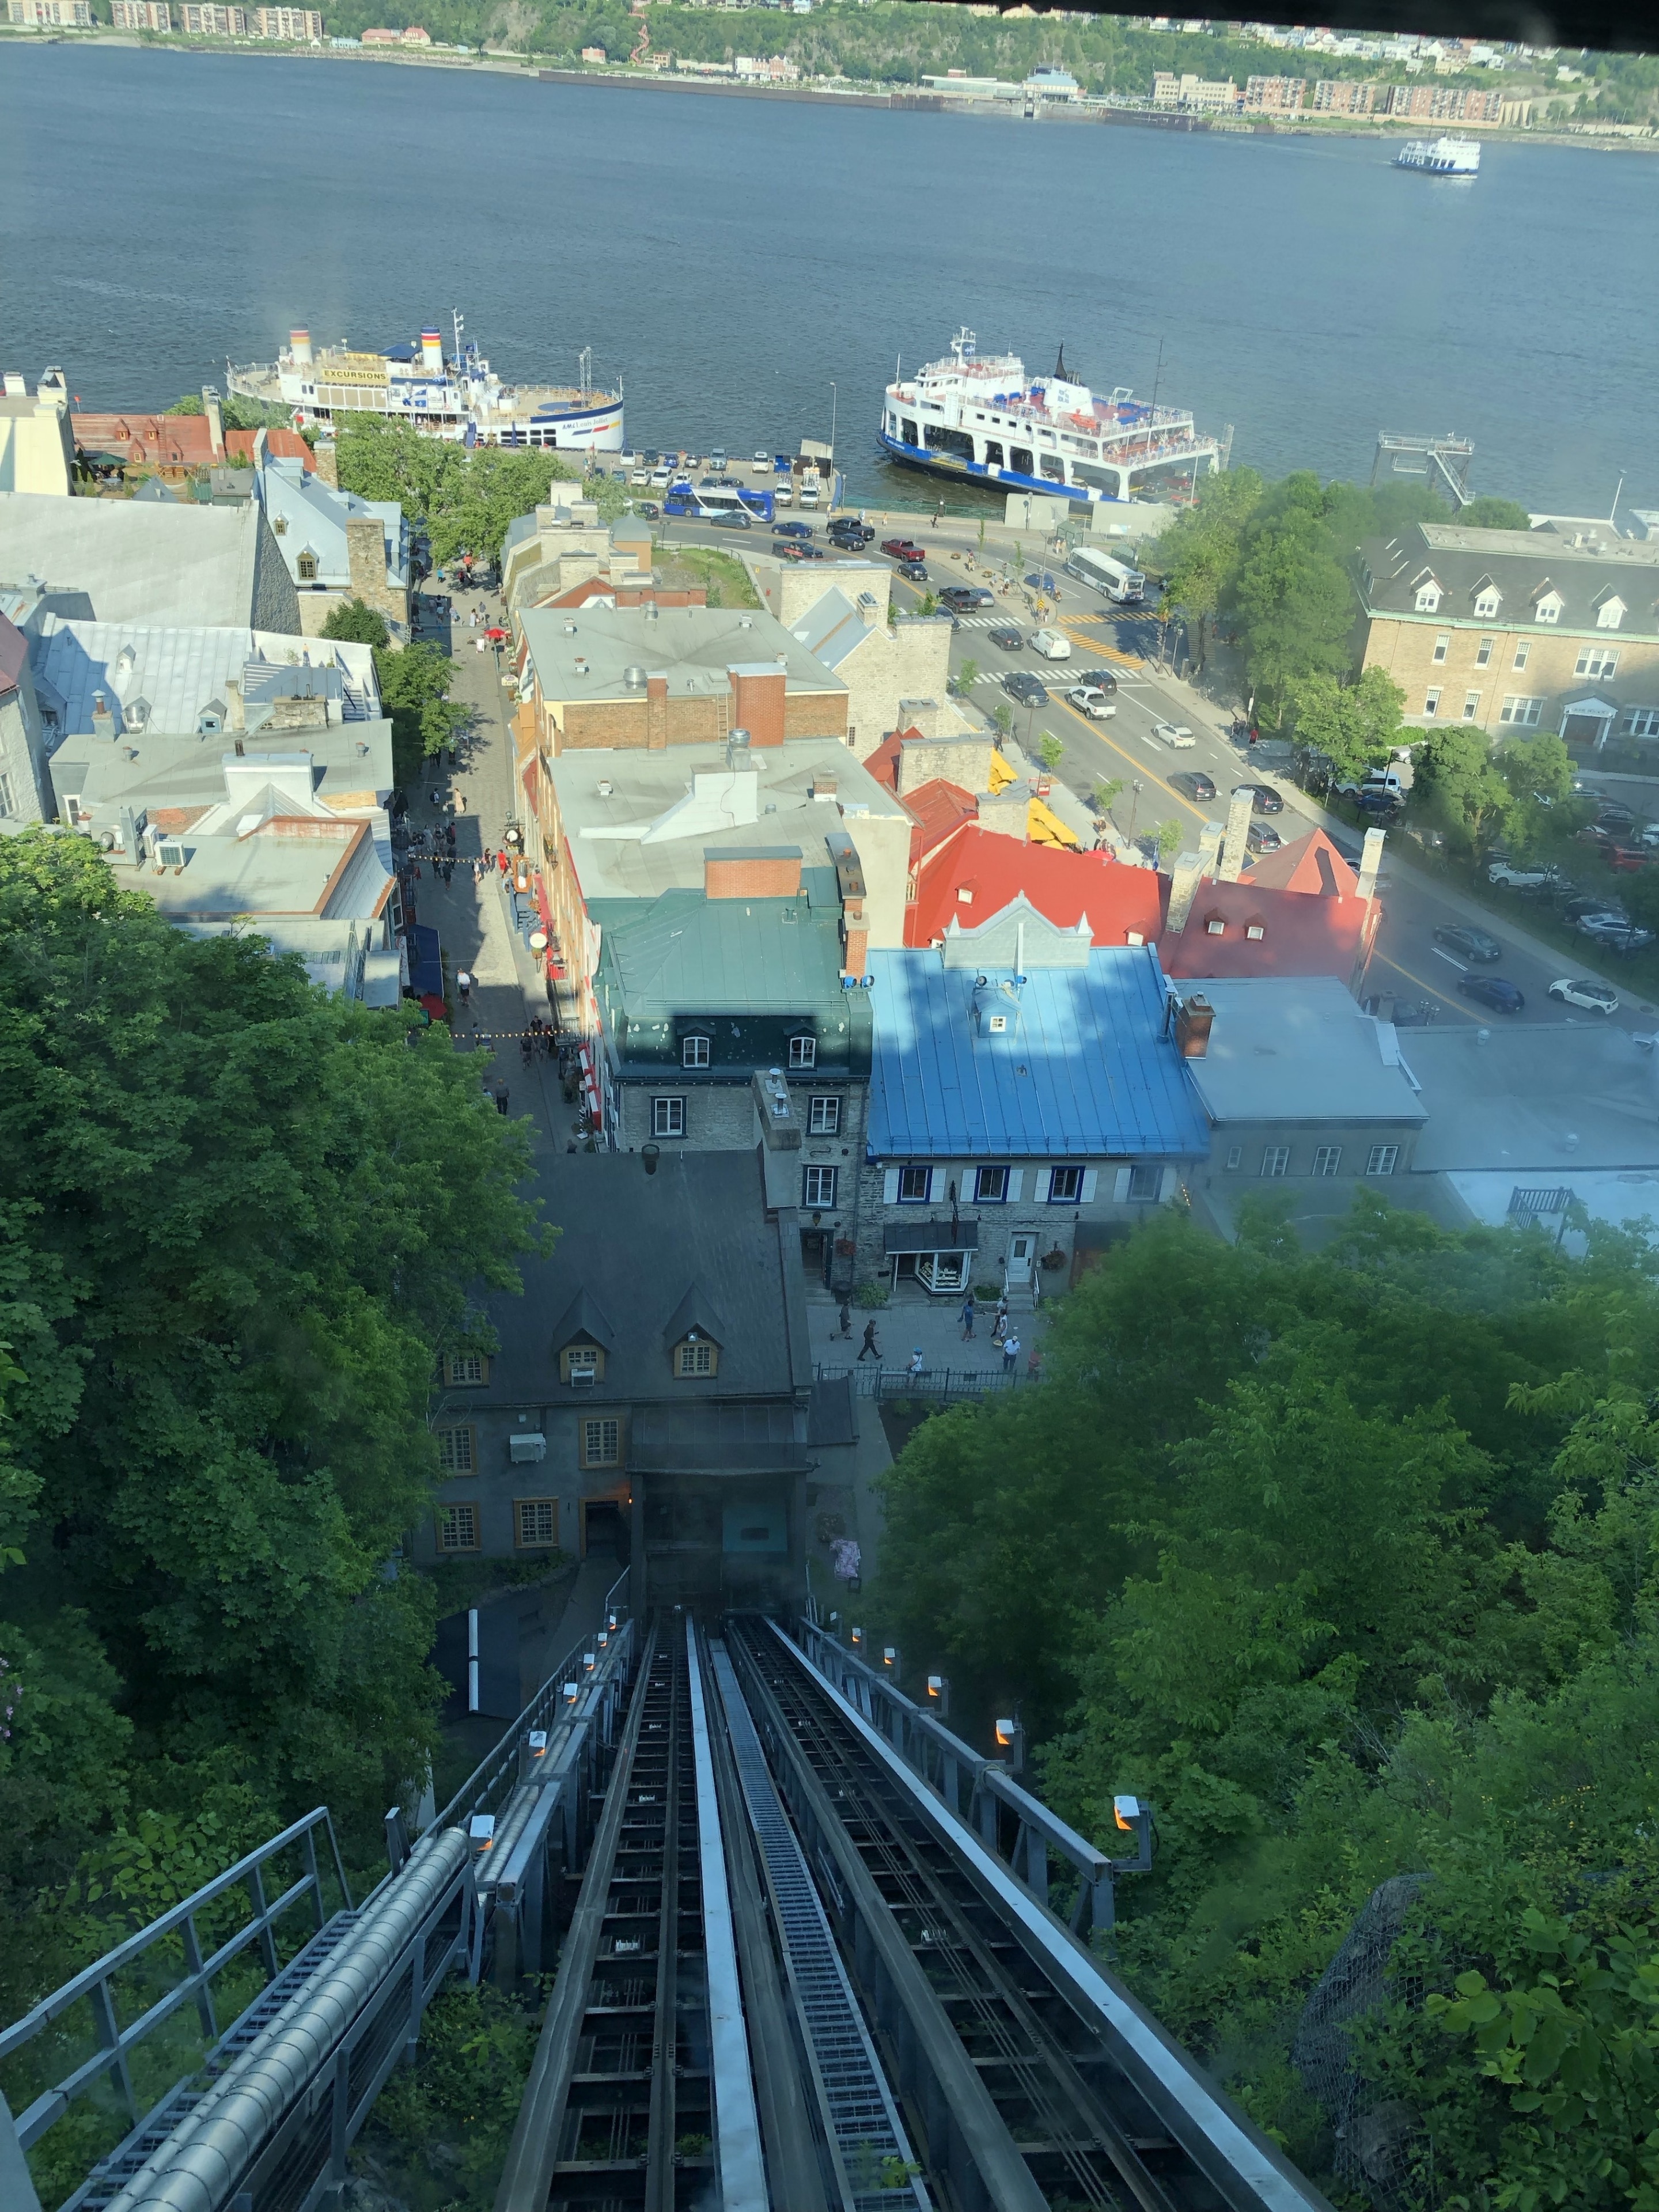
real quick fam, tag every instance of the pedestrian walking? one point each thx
(999, 1327)
(449, 836)
(500, 858)
(501, 1098)
(869, 1347)
(846, 1318)
(1010, 1350)
(915, 1365)
(477, 872)
(461, 802)
(968, 1319)
(464, 984)
(1034, 1365)
(433, 799)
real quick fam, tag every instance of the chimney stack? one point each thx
(327, 461)
(103, 723)
(216, 422)
(1237, 845)
(1371, 860)
(1186, 873)
(1194, 1019)
(299, 346)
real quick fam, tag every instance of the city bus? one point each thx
(710, 504)
(1115, 578)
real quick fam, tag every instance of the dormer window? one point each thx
(1488, 599)
(581, 1365)
(279, 525)
(694, 1050)
(803, 1052)
(466, 1371)
(695, 1357)
(1428, 594)
(1546, 608)
(1215, 927)
(1610, 613)
(307, 566)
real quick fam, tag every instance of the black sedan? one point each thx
(1007, 641)
(1491, 991)
(1195, 784)
(1467, 942)
(1264, 799)
(1024, 688)
(1098, 679)
(913, 572)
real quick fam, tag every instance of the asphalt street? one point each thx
(1407, 961)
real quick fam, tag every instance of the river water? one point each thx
(734, 260)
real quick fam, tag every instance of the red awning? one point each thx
(435, 1006)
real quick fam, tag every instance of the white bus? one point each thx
(1115, 578)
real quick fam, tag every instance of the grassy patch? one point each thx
(725, 580)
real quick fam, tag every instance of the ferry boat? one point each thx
(460, 397)
(1441, 157)
(977, 418)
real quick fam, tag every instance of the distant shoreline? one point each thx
(900, 99)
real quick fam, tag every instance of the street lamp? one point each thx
(1137, 787)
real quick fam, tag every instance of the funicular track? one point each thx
(1020, 2100)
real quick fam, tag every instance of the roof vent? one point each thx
(634, 677)
(607, 789)
(743, 622)
(570, 629)
(581, 665)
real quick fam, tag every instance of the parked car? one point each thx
(959, 597)
(647, 509)
(1096, 705)
(1176, 734)
(1024, 686)
(1578, 909)
(641, 476)
(1262, 837)
(1472, 944)
(913, 572)
(1194, 783)
(1492, 990)
(1052, 644)
(1520, 876)
(854, 531)
(1627, 859)
(1379, 802)
(1264, 799)
(1615, 814)
(1616, 936)
(1009, 639)
(789, 549)
(1098, 679)
(791, 529)
(903, 549)
(1595, 997)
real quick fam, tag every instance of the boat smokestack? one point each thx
(431, 352)
(299, 346)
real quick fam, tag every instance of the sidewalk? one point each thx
(914, 1320)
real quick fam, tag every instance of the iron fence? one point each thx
(887, 1384)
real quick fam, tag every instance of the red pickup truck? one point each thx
(901, 549)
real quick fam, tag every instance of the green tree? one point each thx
(1355, 726)
(1465, 786)
(415, 684)
(1492, 513)
(1050, 750)
(966, 677)
(355, 623)
(1108, 792)
(1169, 836)
(465, 497)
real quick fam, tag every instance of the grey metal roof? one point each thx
(1297, 1049)
(181, 672)
(635, 1244)
(1521, 564)
(196, 566)
(1083, 1071)
(688, 954)
(831, 627)
(167, 771)
(692, 646)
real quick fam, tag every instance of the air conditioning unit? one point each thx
(170, 855)
(583, 1378)
(526, 1444)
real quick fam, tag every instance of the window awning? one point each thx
(931, 1236)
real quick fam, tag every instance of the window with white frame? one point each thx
(458, 1527)
(1431, 704)
(1064, 1186)
(1235, 1157)
(1328, 1158)
(1483, 653)
(1610, 613)
(1428, 598)
(535, 1523)
(915, 1186)
(1641, 722)
(1443, 645)
(818, 1187)
(1486, 605)
(1595, 660)
(1276, 1160)
(1471, 705)
(1382, 1159)
(1146, 1184)
(1548, 609)
(1523, 647)
(668, 1117)
(8, 801)
(1518, 709)
(803, 1052)
(823, 1115)
(694, 1050)
(990, 1185)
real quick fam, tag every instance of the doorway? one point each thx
(1019, 1273)
(816, 1246)
(605, 1530)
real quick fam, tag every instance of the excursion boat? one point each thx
(1441, 157)
(977, 418)
(460, 397)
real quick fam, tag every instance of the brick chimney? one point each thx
(103, 723)
(656, 713)
(754, 871)
(854, 935)
(328, 465)
(1236, 846)
(757, 694)
(1371, 860)
(1194, 1019)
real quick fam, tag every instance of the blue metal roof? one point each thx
(1083, 1069)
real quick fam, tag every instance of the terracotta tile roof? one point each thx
(883, 763)
(939, 810)
(1307, 864)
(281, 445)
(994, 869)
(176, 441)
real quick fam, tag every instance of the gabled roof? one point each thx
(1087, 1071)
(1306, 864)
(168, 564)
(583, 1317)
(940, 809)
(1064, 886)
(696, 1313)
(1513, 562)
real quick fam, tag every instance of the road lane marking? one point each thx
(1449, 961)
(1423, 984)
(1134, 761)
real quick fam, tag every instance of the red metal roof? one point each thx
(994, 869)
(1307, 864)
(939, 810)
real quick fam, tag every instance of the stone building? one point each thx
(1517, 630)
(335, 546)
(37, 451)
(1028, 1102)
(662, 1411)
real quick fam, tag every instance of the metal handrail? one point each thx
(502, 1762)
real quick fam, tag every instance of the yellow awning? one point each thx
(1002, 774)
(1044, 827)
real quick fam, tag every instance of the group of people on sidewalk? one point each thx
(1002, 1334)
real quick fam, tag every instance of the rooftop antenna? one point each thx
(1157, 374)
(1616, 496)
(460, 324)
(585, 364)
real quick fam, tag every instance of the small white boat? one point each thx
(1441, 157)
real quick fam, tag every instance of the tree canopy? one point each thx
(1345, 1561)
(464, 497)
(240, 1220)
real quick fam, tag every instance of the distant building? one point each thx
(51, 15)
(207, 20)
(298, 25)
(141, 14)
(1051, 84)
(37, 451)
(1303, 910)
(1274, 95)
(334, 545)
(1204, 95)
(1346, 96)
(593, 53)
(168, 564)
(381, 38)
(174, 447)
(1517, 630)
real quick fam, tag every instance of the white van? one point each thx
(1052, 644)
(660, 479)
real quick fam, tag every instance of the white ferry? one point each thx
(977, 417)
(460, 398)
(1441, 157)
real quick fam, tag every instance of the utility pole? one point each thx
(833, 398)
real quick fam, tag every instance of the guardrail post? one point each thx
(340, 2119)
(109, 2038)
(308, 1852)
(397, 1838)
(203, 1995)
(256, 1885)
